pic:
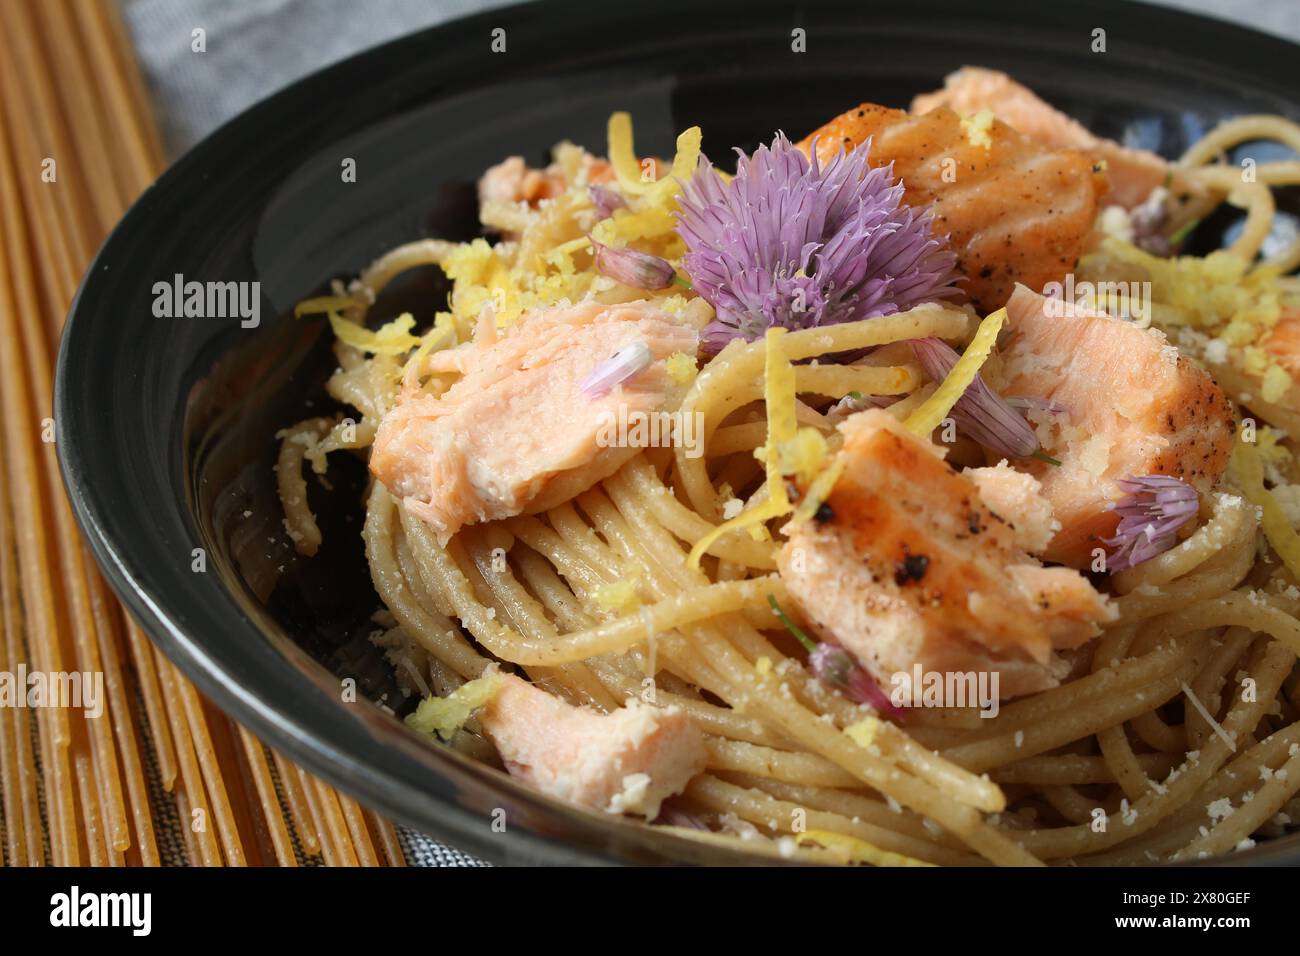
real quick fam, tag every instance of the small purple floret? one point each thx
(605, 200)
(835, 667)
(624, 364)
(981, 413)
(1151, 513)
(640, 270)
(791, 243)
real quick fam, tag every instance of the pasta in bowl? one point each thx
(903, 498)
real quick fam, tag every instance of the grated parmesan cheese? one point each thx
(863, 733)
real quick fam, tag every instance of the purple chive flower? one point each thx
(624, 363)
(791, 243)
(981, 413)
(605, 200)
(640, 270)
(1155, 507)
(835, 667)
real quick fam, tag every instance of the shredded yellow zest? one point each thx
(1268, 442)
(863, 733)
(1221, 296)
(821, 488)
(763, 665)
(551, 263)
(446, 715)
(324, 303)
(617, 596)
(442, 333)
(977, 128)
(854, 850)
(681, 368)
(684, 162)
(1218, 292)
(1247, 467)
(802, 456)
(931, 414)
(622, 155)
(1275, 384)
(782, 426)
(391, 338)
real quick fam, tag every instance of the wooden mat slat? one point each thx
(78, 790)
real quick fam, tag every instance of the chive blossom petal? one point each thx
(640, 270)
(981, 413)
(835, 667)
(794, 244)
(620, 367)
(605, 200)
(1151, 513)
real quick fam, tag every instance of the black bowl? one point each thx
(166, 425)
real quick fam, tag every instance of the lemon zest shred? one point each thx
(804, 455)
(935, 409)
(684, 162)
(446, 715)
(763, 665)
(821, 488)
(853, 850)
(977, 128)
(622, 155)
(1275, 383)
(324, 303)
(782, 425)
(442, 333)
(391, 338)
(681, 368)
(1247, 469)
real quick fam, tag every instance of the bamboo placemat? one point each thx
(161, 776)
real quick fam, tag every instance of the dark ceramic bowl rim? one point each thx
(387, 780)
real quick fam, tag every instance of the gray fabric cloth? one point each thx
(255, 47)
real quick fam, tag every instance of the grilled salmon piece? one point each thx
(1283, 341)
(627, 761)
(512, 180)
(909, 565)
(1132, 173)
(515, 433)
(1132, 406)
(1014, 211)
(1018, 498)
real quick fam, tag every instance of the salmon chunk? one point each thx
(1283, 341)
(1132, 406)
(515, 432)
(1132, 173)
(1014, 210)
(628, 761)
(1018, 498)
(909, 565)
(512, 180)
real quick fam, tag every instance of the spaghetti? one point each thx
(1173, 736)
(75, 790)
